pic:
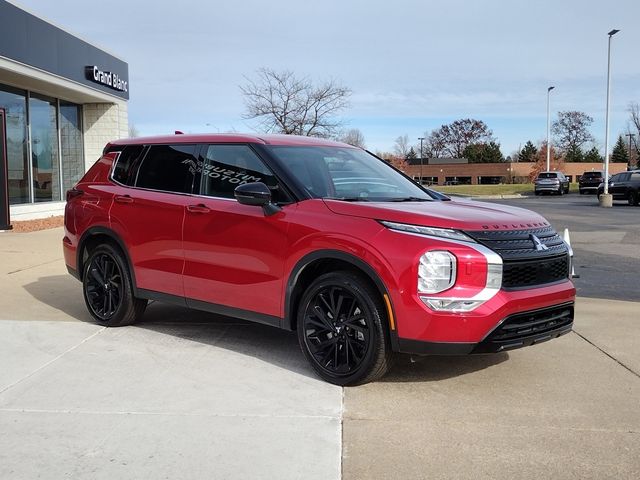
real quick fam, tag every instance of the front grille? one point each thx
(528, 328)
(519, 244)
(531, 257)
(527, 273)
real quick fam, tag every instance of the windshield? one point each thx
(348, 174)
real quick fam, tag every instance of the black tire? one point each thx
(341, 314)
(581, 192)
(107, 288)
(561, 191)
(536, 193)
(633, 198)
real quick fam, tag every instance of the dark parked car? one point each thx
(552, 182)
(624, 186)
(590, 181)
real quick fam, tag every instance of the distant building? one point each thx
(62, 99)
(458, 171)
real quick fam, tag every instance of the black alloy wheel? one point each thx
(632, 198)
(107, 289)
(104, 286)
(340, 329)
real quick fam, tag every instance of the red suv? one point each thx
(316, 236)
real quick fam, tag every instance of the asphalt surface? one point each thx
(605, 241)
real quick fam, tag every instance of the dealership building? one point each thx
(61, 100)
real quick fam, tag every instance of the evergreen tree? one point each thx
(593, 156)
(483, 153)
(411, 154)
(620, 154)
(528, 153)
(574, 154)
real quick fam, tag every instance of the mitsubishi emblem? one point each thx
(540, 247)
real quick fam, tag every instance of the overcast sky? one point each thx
(412, 65)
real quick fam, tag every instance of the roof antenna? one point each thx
(178, 132)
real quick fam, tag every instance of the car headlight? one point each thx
(436, 272)
(429, 231)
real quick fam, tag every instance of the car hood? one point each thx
(456, 214)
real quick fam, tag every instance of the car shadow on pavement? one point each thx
(61, 292)
(268, 344)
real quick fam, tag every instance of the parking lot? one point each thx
(191, 395)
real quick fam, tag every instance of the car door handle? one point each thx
(200, 208)
(123, 199)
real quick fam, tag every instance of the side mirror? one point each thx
(256, 194)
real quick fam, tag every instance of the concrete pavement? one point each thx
(191, 395)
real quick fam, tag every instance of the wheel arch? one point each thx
(92, 237)
(323, 261)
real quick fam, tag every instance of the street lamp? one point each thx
(631, 136)
(606, 122)
(421, 140)
(549, 128)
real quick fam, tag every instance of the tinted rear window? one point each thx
(592, 175)
(123, 172)
(548, 175)
(169, 168)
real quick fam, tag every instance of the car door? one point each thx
(618, 186)
(148, 215)
(234, 254)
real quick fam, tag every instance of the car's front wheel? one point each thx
(341, 331)
(633, 198)
(107, 288)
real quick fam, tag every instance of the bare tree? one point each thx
(401, 146)
(571, 130)
(284, 103)
(133, 131)
(435, 145)
(634, 114)
(453, 138)
(354, 137)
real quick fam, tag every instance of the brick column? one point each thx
(102, 122)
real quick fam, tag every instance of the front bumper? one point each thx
(515, 331)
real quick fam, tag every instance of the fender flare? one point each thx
(357, 262)
(100, 230)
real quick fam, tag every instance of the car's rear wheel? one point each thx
(107, 288)
(341, 331)
(633, 198)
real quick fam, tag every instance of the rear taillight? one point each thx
(73, 193)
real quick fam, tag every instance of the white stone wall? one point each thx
(103, 122)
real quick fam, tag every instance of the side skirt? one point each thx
(212, 308)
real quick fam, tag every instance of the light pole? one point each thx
(631, 136)
(549, 127)
(421, 140)
(607, 202)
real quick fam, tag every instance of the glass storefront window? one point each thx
(55, 128)
(71, 144)
(14, 102)
(44, 148)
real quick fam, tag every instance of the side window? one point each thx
(123, 172)
(170, 168)
(635, 177)
(224, 167)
